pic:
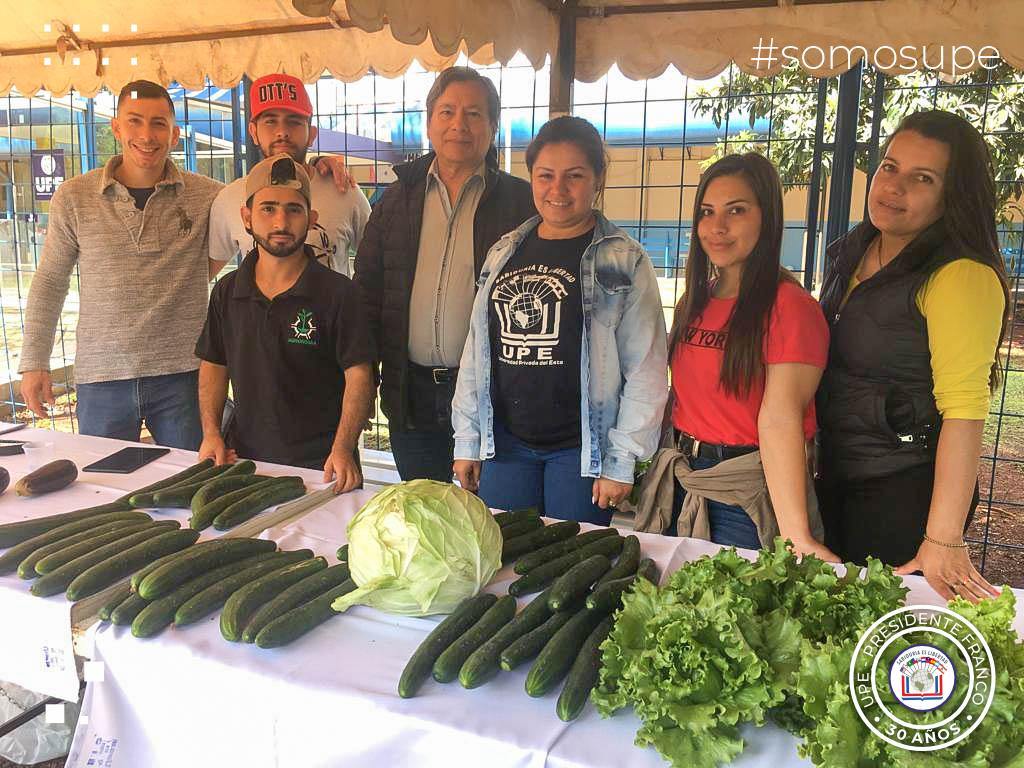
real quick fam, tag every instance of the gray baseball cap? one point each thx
(277, 171)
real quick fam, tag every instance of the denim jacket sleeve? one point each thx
(465, 403)
(642, 344)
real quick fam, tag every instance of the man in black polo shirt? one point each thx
(289, 334)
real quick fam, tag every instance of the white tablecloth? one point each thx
(187, 697)
(36, 639)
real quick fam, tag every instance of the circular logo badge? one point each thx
(922, 678)
(48, 164)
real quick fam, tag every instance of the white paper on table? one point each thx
(37, 647)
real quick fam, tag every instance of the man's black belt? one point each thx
(439, 375)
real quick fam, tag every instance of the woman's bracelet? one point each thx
(961, 545)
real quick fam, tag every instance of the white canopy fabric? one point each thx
(58, 45)
(702, 43)
(111, 42)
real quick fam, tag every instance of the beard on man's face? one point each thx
(298, 154)
(281, 249)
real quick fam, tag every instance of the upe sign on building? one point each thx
(47, 172)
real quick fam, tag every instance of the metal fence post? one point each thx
(840, 189)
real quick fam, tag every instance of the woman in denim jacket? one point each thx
(562, 382)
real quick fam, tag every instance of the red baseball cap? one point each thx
(279, 92)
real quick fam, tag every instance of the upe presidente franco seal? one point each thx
(922, 678)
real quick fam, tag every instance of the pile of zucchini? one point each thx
(83, 552)
(87, 550)
(221, 496)
(266, 597)
(562, 628)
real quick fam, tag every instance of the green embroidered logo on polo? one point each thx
(303, 329)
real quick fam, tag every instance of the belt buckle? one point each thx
(695, 449)
(445, 376)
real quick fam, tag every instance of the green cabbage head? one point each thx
(420, 547)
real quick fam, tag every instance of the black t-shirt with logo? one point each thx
(536, 331)
(286, 359)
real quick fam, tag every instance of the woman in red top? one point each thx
(747, 350)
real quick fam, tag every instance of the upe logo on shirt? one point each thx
(528, 302)
(922, 678)
(303, 329)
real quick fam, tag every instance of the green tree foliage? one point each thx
(992, 100)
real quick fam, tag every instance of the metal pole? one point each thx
(814, 188)
(563, 68)
(877, 116)
(252, 152)
(237, 130)
(840, 188)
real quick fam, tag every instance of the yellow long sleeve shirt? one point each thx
(963, 305)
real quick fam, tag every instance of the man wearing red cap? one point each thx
(281, 121)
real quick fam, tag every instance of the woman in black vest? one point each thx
(916, 300)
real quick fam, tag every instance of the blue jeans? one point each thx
(520, 476)
(168, 404)
(730, 525)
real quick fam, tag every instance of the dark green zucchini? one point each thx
(205, 515)
(59, 580)
(515, 515)
(521, 527)
(583, 674)
(541, 576)
(10, 559)
(531, 560)
(298, 621)
(448, 664)
(537, 539)
(180, 496)
(343, 553)
(160, 613)
(629, 560)
(485, 661)
(214, 596)
(529, 645)
(421, 663)
(244, 602)
(557, 656)
(607, 596)
(258, 501)
(115, 600)
(167, 482)
(68, 553)
(217, 487)
(12, 534)
(126, 611)
(197, 561)
(294, 596)
(112, 569)
(27, 567)
(576, 582)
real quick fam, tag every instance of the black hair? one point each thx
(743, 362)
(464, 75)
(144, 89)
(968, 196)
(570, 130)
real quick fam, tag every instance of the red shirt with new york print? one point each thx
(796, 333)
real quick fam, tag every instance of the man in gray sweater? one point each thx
(138, 231)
